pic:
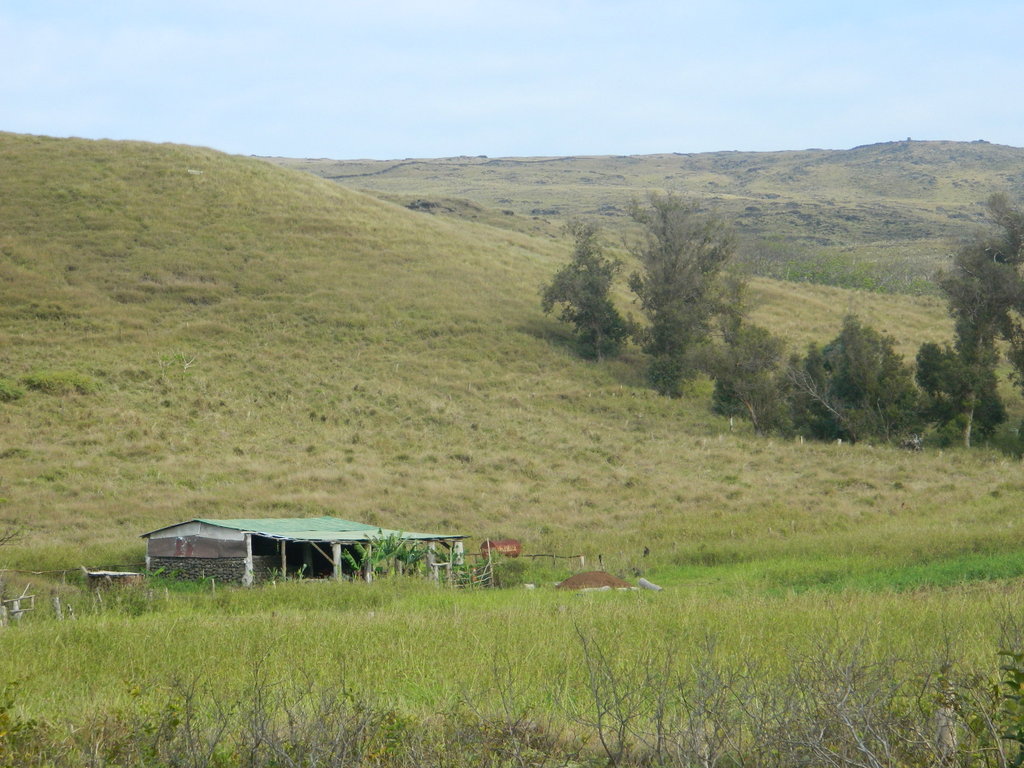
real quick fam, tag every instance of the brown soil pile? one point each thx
(593, 580)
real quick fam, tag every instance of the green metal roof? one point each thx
(316, 529)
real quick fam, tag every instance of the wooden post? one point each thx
(247, 577)
(57, 611)
(336, 552)
(945, 726)
(458, 553)
(3, 615)
(284, 559)
(945, 735)
(307, 559)
(432, 560)
(368, 564)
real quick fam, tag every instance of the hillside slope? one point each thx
(206, 335)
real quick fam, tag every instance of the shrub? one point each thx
(9, 391)
(61, 383)
(509, 572)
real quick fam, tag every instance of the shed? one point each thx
(250, 550)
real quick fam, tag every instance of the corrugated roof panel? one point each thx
(287, 525)
(316, 529)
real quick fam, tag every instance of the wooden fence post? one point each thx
(945, 726)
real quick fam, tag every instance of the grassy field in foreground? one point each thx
(424, 648)
(495, 676)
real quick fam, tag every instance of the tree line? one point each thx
(854, 388)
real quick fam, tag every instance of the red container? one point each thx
(506, 547)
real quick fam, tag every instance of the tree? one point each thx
(855, 388)
(749, 377)
(960, 391)
(582, 289)
(681, 254)
(985, 293)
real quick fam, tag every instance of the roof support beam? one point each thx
(331, 560)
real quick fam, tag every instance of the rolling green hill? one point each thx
(205, 335)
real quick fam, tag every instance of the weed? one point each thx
(9, 391)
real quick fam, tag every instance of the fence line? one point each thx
(71, 570)
(581, 558)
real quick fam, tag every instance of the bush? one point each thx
(61, 383)
(509, 572)
(9, 391)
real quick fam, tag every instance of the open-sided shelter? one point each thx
(250, 550)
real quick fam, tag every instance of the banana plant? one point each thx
(379, 549)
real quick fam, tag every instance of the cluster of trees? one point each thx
(854, 388)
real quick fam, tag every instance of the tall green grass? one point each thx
(425, 649)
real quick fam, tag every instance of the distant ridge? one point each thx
(891, 191)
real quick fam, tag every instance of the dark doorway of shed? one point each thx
(305, 559)
(308, 561)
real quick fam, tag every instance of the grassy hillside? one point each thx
(195, 334)
(216, 336)
(880, 216)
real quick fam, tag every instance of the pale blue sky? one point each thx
(433, 78)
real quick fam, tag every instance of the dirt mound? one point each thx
(593, 580)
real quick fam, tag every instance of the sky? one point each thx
(441, 78)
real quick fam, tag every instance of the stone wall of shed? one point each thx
(264, 565)
(219, 568)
